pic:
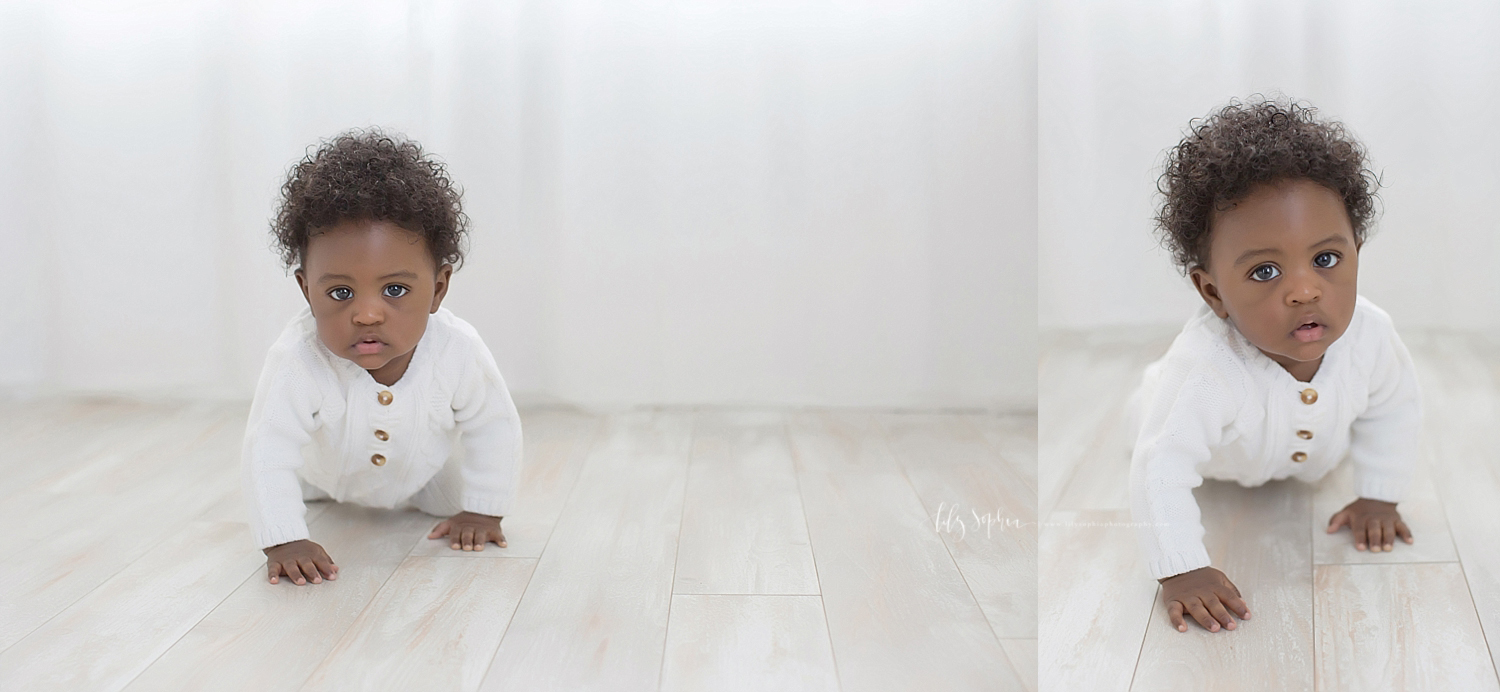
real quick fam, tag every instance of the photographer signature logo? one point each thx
(948, 518)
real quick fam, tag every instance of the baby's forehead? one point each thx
(367, 241)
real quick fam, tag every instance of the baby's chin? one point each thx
(367, 361)
(1291, 347)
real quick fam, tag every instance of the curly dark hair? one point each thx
(371, 175)
(1249, 143)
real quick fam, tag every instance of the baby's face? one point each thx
(1282, 266)
(371, 286)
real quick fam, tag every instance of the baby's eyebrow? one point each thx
(345, 277)
(1251, 254)
(1335, 239)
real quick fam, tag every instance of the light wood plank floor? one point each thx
(1325, 616)
(650, 550)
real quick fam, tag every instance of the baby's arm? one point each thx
(282, 419)
(1184, 420)
(1383, 447)
(490, 432)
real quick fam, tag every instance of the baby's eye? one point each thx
(1326, 259)
(396, 291)
(1265, 272)
(341, 293)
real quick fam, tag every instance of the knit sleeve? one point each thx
(490, 432)
(1384, 439)
(1183, 419)
(282, 420)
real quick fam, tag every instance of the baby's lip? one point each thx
(369, 345)
(1308, 330)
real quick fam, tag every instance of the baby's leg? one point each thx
(443, 495)
(312, 493)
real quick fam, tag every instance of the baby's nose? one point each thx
(368, 314)
(1304, 291)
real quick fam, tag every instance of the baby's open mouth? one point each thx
(1308, 332)
(369, 345)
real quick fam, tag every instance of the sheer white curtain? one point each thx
(1418, 83)
(779, 202)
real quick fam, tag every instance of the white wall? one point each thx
(1418, 83)
(783, 202)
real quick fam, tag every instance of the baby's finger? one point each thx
(1339, 518)
(468, 538)
(1174, 611)
(310, 570)
(441, 529)
(1403, 531)
(1388, 534)
(1237, 604)
(293, 572)
(1216, 609)
(1200, 614)
(327, 568)
(275, 569)
(1372, 531)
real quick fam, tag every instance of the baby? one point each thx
(1286, 369)
(374, 394)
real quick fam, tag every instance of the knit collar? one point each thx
(1333, 359)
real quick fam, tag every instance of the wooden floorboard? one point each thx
(742, 526)
(1094, 600)
(748, 643)
(889, 584)
(986, 511)
(799, 544)
(1399, 627)
(432, 626)
(228, 649)
(595, 616)
(110, 635)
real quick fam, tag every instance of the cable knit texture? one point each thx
(1216, 407)
(319, 417)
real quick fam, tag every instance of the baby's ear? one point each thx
(1208, 291)
(302, 284)
(440, 288)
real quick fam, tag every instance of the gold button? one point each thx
(385, 397)
(1299, 457)
(382, 436)
(1309, 396)
(1304, 434)
(379, 459)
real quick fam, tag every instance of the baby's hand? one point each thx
(300, 561)
(1373, 523)
(470, 531)
(1207, 595)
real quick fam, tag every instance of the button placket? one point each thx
(382, 418)
(1305, 419)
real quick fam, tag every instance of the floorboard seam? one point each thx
(786, 430)
(588, 451)
(687, 481)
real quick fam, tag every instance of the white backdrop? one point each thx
(1418, 83)
(773, 202)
